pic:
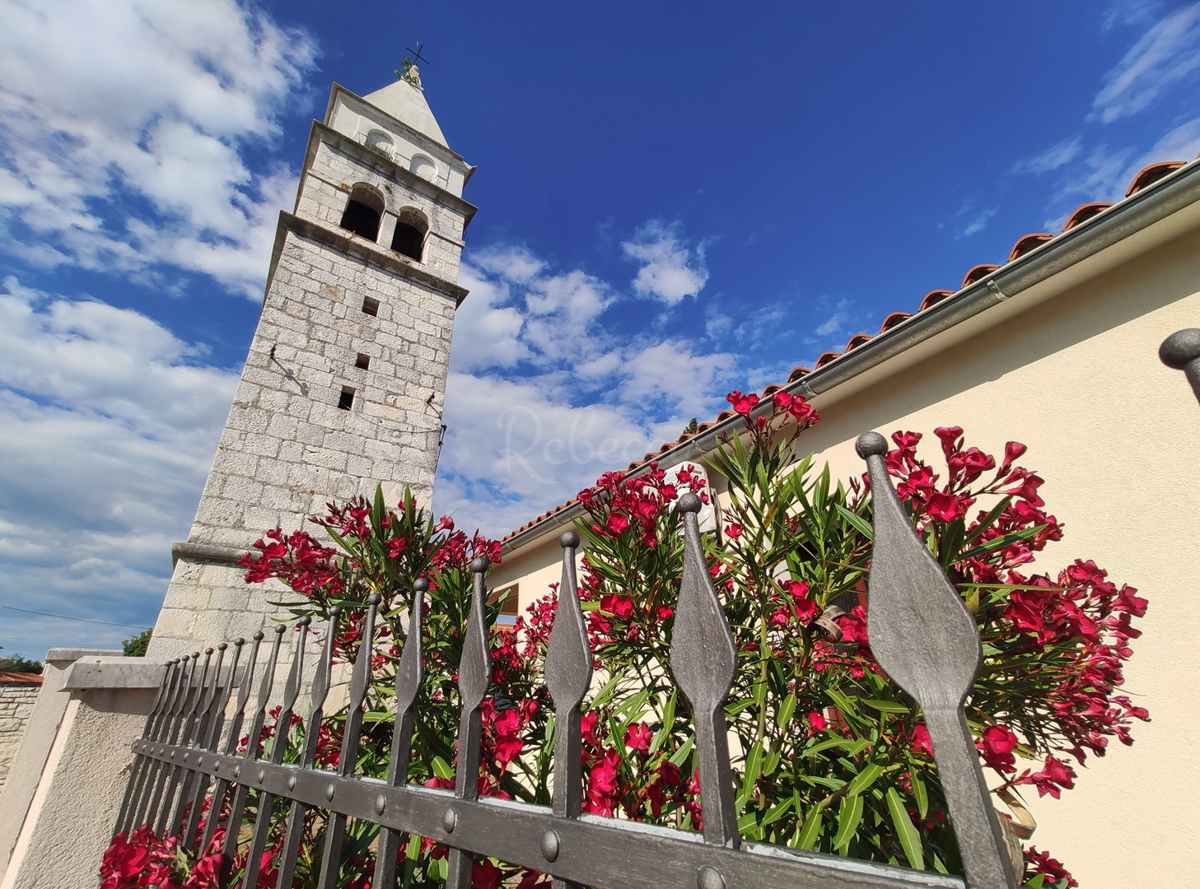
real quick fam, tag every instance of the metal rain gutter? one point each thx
(1169, 195)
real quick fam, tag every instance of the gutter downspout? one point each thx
(1153, 204)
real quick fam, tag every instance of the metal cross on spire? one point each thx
(418, 59)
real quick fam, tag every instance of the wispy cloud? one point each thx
(1052, 158)
(108, 423)
(671, 268)
(1167, 53)
(977, 224)
(141, 169)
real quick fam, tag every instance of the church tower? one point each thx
(343, 386)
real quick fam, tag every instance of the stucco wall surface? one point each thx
(1111, 430)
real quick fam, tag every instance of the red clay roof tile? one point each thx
(1084, 213)
(1152, 174)
(1027, 243)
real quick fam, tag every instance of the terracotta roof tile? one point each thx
(1152, 174)
(933, 297)
(979, 271)
(1084, 213)
(1024, 245)
(1027, 243)
(20, 679)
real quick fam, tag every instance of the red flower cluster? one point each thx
(140, 860)
(297, 560)
(619, 503)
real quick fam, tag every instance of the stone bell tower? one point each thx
(344, 382)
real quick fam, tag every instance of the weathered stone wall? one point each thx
(16, 703)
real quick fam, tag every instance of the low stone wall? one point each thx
(16, 703)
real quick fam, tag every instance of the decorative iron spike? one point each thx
(232, 736)
(409, 674)
(474, 675)
(200, 702)
(928, 643)
(294, 832)
(241, 794)
(335, 828)
(703, 659)
(1181, 350)
(211, 710)
(283, 729)
(142, 814)
(161, 813)
(568, 677)
(141, 764)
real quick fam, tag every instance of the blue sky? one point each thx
(676, 200)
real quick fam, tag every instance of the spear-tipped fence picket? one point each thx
(920, 632)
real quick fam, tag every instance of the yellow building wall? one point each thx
(1075, 376)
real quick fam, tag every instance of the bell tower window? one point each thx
(363, 212)
(411, 229)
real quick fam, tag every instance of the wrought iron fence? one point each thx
(921, 635)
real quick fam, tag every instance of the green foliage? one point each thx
(135, 646)
(20, 664)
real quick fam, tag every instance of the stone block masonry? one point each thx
(309, 424)
(16, 703)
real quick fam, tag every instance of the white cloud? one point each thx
(671, 270)
(142, 166)
(1165, 54)
(108, 424)
(1052, 158)
(978, 223)
(834, 322)
(671, 371)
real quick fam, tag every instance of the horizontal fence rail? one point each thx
(191, 753)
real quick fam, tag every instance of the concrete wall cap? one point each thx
(74, 654)
(112, 672)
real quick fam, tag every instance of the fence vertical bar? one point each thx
(184, 775)
(241, 793)
(235, 728)
(335, 829)
(474, 675)
(166, 775)
(928, 643)
(142, 763)
(568, 676)
(312, 734)
(209, 738)
(283, 728)
(162, 732)
(409, 674)
(193, 780)
(703, 659)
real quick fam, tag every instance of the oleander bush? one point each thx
(830, 755)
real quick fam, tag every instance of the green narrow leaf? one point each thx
(906, 831)
(888, 706)
(849, 817)
(861, 525)
(810, 833)
(920, 794)
(442, 769)
(865, 778)
(786, 709)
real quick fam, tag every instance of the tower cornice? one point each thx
(350, 244)
(320, 132)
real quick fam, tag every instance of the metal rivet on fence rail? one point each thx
(380, 804)
(550, 845)
(292, 783)
(709, 878)
(449, 820)
(330, 791)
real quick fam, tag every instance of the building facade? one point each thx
(343, 386)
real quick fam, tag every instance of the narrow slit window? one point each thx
(362, 361)
(370, 306)
(346, 399)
